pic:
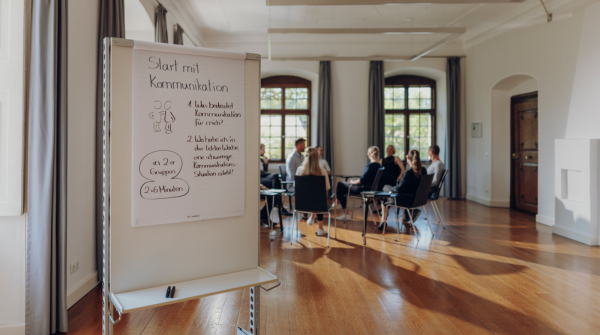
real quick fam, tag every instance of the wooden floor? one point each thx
(488, 272)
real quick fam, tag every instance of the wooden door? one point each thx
(524, 155)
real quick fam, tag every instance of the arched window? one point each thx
(409, 103)
(285, 114)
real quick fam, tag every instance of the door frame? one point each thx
(514, 100)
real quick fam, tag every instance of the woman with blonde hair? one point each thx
(311, 167)
(359, 185)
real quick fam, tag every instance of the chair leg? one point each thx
(398, 227)
(427, 217)
(294, 232)
(437, 212)
(328, 227)
(412, 223)
(335, 223)
(371, 212)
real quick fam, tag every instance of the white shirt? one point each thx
(436, 168)
(324, 165)
(323, 173)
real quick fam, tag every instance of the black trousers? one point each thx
(342, 191)
(271, 180)
(405, 200)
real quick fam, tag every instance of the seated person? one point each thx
(356, 186)
(394, 168)
(322, 162)
(311, 167)
(270, 180)
(408, 185)
(294, 160)
(436, 168)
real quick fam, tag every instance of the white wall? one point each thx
(81, 242)
(12, 228)
(547, 52)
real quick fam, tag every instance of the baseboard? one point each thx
(546, 220)
(79, 291)
(12, 329)
(576, 236)
(543, 228)
(487, 202)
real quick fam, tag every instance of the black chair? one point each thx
(311, 198)
(434, 195)
(419, 201)
(285, 183)
(374, 187)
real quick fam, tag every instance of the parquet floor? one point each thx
(489, 272)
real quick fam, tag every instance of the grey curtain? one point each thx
(452, 185)
(111, 24)
(324, 124)
(376, 110)
(160, 27)
(46, 274)
(178, 35)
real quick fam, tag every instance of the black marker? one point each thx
(169, 291)
(173, 292)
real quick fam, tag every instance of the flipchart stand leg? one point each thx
(254, 313)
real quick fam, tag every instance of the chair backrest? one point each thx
(436, 193)
(311, 194)
(375, 186)
(423, 190)
(282, 172)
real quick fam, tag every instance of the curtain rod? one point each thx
(177, 24)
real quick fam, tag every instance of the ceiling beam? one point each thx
(430, 30)
(454, 33)
(377, 2)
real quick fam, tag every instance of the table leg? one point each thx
(365, 211)
(280, 210)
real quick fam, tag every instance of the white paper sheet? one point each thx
(188, 137)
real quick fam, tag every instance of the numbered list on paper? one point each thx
(188, 138)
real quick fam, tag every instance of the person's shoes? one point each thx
(382, 226)
(284, 212)
(321, 232)
(310, 221)
(304, 216)
(344, 217)
(265, 225)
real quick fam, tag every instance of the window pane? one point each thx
(295, 126)
(393, 97)
(296, 98)
(270, 135)
(394, 132)
(270, 98)
(419, 97)
(420, 132)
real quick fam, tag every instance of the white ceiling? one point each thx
(243, 24)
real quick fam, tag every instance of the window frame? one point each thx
(285, 82)
(406, 81)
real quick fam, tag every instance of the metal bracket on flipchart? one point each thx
(110, 315)
(268, 289)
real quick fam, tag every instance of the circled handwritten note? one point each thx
(188, 138)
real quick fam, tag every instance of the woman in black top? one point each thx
(394, 168)
(356, 186)
(408, 185)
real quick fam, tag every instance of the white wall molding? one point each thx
(12, 329)
(544, 219)
(576, 236)
(83, 288)
(488, 202)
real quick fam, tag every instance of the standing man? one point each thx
(436, 168)
(294, 160)
(322, 162)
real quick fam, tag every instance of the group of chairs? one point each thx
(311, 198)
